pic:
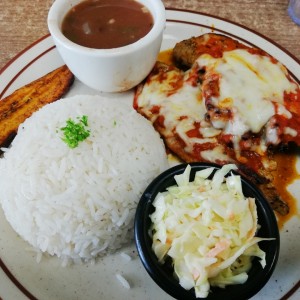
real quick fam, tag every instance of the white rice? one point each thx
(126, 256)
(123, 281)
(79, 203)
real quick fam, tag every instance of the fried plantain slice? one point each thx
(21, 104)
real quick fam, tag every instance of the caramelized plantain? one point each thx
(21, 104)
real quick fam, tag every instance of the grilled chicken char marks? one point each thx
(187, 51)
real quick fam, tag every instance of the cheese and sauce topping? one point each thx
(223, 109)
(251, 86)
(177, 99)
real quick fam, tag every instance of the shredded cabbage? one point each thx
(208, 228)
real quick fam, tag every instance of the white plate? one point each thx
(22, 278)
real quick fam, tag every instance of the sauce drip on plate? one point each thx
(105, 24)
(285, 174)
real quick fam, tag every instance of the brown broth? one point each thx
(105, 24)
(285, 174)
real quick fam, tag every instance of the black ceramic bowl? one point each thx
(163, 274)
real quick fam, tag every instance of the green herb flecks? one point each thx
(75, 132)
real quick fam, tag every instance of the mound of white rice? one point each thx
(79, 203)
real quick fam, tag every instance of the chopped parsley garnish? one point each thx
(75, 132)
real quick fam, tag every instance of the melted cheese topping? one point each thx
(181, 109)
(250, 85)
(185, 102)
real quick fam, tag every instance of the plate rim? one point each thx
(4, 268)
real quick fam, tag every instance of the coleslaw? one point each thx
(208, 228)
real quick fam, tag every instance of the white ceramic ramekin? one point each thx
(109, 70)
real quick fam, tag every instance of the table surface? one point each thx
(22, 22)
